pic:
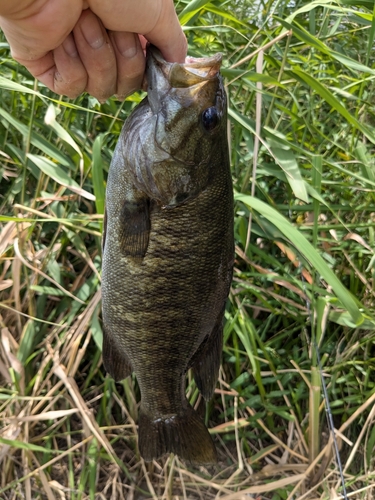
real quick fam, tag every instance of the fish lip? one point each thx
(193, 71)
(207, 67)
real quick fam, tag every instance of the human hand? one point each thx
(74, 46)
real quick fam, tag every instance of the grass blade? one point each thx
(308, 251)
(59, 175)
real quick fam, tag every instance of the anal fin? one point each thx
(207, 361)
(115, 363)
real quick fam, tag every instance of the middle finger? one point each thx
(97, 55)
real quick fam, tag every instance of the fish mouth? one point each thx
(193, 71)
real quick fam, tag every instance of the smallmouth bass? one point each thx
(168, 250)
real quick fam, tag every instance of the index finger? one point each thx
(167, 34)
(155, 19)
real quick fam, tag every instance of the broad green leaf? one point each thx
(97, 173)
(17, 87)
(225, 14)
(36, 140)
(312, 41)
(242, 120)
(271, 134)
(345, 319)
(283, 157)
(266, 79)
(367, 162)
(190, 10)
(287, 161)
(327, 95)
(96, 331)
(193, 6)
(217, 28)
(252, 76)
(280, 139)
(26, 446)
(369, 4)
(308, 251)
(328, 4)
(27, 344)
(59, 175)
(353, 174)
(50, 119)
(47, 290)
(242, 335)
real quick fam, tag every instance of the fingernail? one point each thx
(70, 46)
(92, 31)
(126, 45)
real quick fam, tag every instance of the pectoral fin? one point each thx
(135, 228)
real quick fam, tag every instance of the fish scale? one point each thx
(167, 263)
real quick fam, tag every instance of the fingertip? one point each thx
(167, 34)
(177, 51)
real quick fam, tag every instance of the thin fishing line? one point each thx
(327, 404)
(331, 425)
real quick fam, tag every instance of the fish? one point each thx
(168, 250)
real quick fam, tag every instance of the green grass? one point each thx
(301, 84)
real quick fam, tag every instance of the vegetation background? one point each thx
(300, 78)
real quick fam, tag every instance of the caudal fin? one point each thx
(184, 434)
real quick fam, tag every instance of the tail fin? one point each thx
(184, 434)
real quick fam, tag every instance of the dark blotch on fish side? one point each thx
(168, 251)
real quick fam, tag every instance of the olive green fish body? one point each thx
(168, 254)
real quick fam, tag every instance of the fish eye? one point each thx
(210, 118)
